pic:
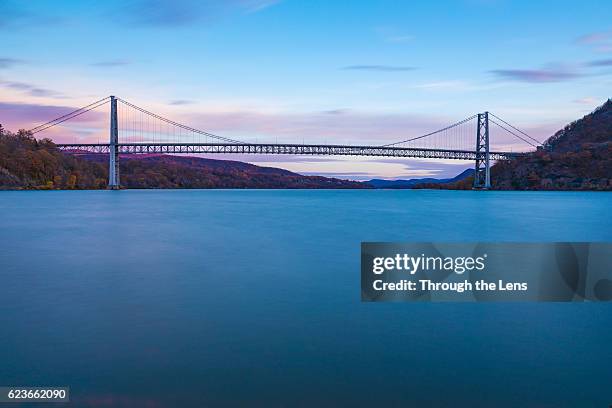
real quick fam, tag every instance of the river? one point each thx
(251, 297)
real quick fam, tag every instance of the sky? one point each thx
(360, 72)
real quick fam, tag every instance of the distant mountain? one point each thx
(410, 183)
(27, 163)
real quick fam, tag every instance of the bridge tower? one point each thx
(113, 149)
(482, 173)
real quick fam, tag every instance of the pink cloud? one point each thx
(595, 38)
(335, 127)
(343, 127)
(537, 75)
(599, 41)
(84, 128)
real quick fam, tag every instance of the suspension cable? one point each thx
(201, 132)
(432, 133)
(69, 115)
(517, 129)
(512, 133)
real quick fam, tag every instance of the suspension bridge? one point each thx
(134, 130)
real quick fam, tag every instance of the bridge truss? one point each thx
(296, 149)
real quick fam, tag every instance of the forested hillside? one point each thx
(37, 164)
(578, 157)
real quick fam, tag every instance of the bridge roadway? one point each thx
(297, 149)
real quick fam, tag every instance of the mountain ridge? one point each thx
(410, 183)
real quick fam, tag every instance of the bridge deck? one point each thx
(296, 149)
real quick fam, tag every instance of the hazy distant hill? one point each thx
(410, 183)
(27, 163)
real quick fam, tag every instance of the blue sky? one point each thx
(313, 71)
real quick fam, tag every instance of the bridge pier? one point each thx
(482, 173)
(113, 151)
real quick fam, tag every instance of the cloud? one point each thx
(588, 100)
(599, 41)
(366, 168)
(178, 102)
(9, 62)
(392, 35)
(352, 127)
(315, 127)
(381, 68)
(30, 89)
(335, 111)
(553, 72)
(601, 63)
(26, 116)
(454, 85)
(111, 63)
(173, 14)
(595, 38)
(537, 75)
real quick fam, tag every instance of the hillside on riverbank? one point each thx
(577, 157)
(27, 163)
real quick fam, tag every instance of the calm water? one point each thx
(207, 298)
